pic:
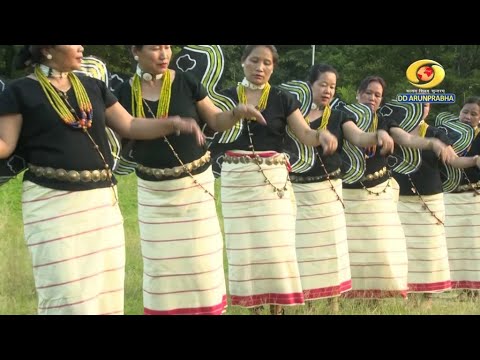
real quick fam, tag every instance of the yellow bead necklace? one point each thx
(262, 103)
(422, 131)
(163, 101)
(370, 151)
(162, 112)
(66, 112)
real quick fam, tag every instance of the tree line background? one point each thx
(353, 62)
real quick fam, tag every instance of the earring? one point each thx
(135, 57)
(49, 56)
(243, 65)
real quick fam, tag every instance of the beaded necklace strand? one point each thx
(195, 181)
(422, 131)
(67, 113)
(262, 105)
(384, 190)
(163, 102)
(424, 204)
(327, 111)
(59, 101)
(475, 191)
(279, 191)
(370, 151)
(162, 112)
(328, 178)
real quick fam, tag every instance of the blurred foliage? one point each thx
(353, 62)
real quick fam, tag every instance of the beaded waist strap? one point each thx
(468, 187)
(310, 179)
(376, 175)
(175, 171)
(71, 175)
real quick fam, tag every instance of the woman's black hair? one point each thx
(318, 69)
(30, 55)
(249, 48)
(472, 100)
(366, 81)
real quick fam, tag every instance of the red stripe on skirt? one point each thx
(327, 291)
(257, 300)
(205, 310)
(438, 286)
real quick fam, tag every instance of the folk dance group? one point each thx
(293, 232)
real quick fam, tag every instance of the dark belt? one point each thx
(71, 175)
(376, 175)
(311, 179)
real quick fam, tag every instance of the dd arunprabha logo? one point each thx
(426, 75)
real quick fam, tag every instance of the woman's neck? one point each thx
(50, 72)
(316, 110)
(315, 113)
(317, 107)
(146, 76)
(249, 85)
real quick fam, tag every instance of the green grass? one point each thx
(17, 290)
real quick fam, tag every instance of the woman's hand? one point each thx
(327, 141)
(444, 152)
(188, 126)
(385, 141)
(247, 111)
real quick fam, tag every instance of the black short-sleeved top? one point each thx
(186, 92)
(377, 162)
(331, 162)
(473, 172)
(427, 178)
(280, 105)
(47, 141)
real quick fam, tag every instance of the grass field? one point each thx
(17, 290)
